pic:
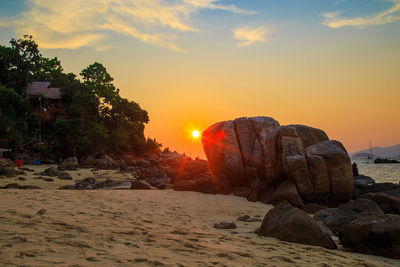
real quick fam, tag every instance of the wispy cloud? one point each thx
(248, 36)
(75, 23)
(392, 14)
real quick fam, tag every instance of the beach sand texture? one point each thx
(146, 228)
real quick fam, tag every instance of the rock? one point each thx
(362, 180)
(17, 186)
(86, 184)
(27, 169)
(385, 161)
(259, 154)
(388, 201)
(225, 225)
(355, 169)
(100, 160)
(161, 182)
(195, 175)
(337, 167)
(41, 212)
(257, 189)
(8, 171)
(52, 172)
(222, 149)
(291, 224)
(377, 235)
(241, 191)
(29, 187)
(48, 180)
(335, 218)
(64, 176)
(69, 164)
(140, 185)
(378, 187)
(287, 191)
(11, 186)
(247, 218)
(21, 179)
(312, 208)
(68, 187)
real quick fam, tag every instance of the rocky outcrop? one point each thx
(335, 218)
(388, 201)
(377, 235)
(100, 160)
(296, 163)
(291, 224)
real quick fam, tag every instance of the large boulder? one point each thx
(69, 164)
(335, 218)
(388, 201)
(291, 224)
(378, 235)
(259, 154)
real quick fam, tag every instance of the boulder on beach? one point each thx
(377, 235)
(6, 169)
(291, 224)
(388, 201)
(68, 164)
(336, 218)
(296, 163)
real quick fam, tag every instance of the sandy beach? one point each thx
(144, 228)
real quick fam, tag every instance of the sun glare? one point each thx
(196, 134)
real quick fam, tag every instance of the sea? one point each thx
(381, 173)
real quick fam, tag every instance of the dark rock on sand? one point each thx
(225, 225)
(137, 184)
(296, 163)
(52, 172)
(17, 186)
(388, 201)
(291, 224)
(377, 235)
(64, 176)
(247, 218)
(48, 179)
(69, 164)
(335, 218)
(41, 212)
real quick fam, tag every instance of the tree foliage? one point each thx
(96, 117)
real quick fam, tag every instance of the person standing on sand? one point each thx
(19, 164)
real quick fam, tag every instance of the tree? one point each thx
(17, 123)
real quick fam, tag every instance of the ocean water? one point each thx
(382, 173)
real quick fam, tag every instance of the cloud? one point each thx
(75, 23)
(249, 36)
(392, 14)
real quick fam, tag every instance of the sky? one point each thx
(329, 64)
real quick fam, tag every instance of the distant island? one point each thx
(381, 152)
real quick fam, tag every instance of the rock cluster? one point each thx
(262, 160)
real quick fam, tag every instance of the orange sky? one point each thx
(334, 65)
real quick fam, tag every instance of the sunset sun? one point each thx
(196, 134)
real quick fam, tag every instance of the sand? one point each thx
(145, 228)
